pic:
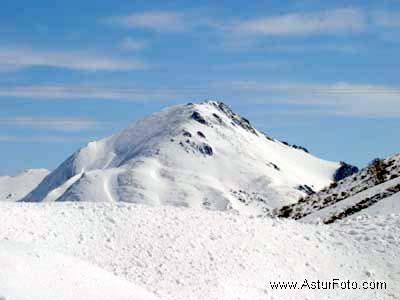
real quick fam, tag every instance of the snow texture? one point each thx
(195, 155)
(13, 188)
(31, 273)
(183, 253)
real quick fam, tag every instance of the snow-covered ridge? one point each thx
(361, 192)
(13, 188)
(181, 254)
(197, 155)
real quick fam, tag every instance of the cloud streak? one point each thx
(39, 139)
(387, 19)
(161, 21)
(60, 92)
(364, 100)
(337, 21)
(341, 99)
(58, 124)
(129, 43)
(20, 58)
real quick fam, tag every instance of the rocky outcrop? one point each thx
(344, 171)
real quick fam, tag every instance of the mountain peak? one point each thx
(199, 155)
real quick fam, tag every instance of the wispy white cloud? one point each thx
(59, 124)
(129, 43)
(339, 98)
(40, 139)
(387, 19)
(167, 21)
(20, 58)
(71, 92)
(161, 21)
(335, 99)
(314, 47)
(301, 24)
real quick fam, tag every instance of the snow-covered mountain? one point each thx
(196, 155)
(13, 188)
(374, 190)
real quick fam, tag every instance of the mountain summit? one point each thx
(195, 155)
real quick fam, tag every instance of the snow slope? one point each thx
(373, 190)
(14, 188)
(197, 155)
(190, 254)
(30, 273)
(379, 200)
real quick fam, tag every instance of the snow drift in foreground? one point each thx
(13, 188)
(197, 155)
(29, 273)
(181, 254)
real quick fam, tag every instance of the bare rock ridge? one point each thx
(375, 189)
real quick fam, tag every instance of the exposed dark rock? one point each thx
(218, 118)
(380, 170)
(190, 146)
(198, 117)
(274, 166)
(295, 146)
(268, 137)
(236, 119)
(306, 189)
(377, 168)
(186, 133)
(285, 212)
(345, 170)
(365, 203)
(300, 148)
(206, 149)
(333, 185)
(200, 134)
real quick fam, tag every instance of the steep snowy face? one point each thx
(374, 190)
(14, 188)
(198, 155)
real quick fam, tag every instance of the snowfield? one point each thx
(13, 188)
(183, 253)
(29, 273)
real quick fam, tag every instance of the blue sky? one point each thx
(323, 75)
